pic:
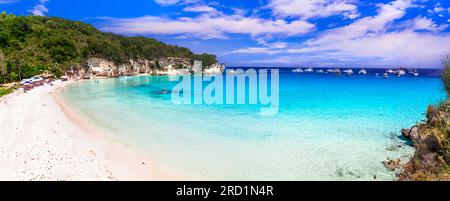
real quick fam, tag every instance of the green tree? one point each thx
(3, 66)
(445, 76)
(33, 44)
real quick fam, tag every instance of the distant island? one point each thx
(31, 45)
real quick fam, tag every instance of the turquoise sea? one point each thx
(327, 128)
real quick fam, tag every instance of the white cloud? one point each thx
(277, 45)
(438, 9)
(167, 2)
(8, 1)
(200, 9)
(257, 50)
(366, 26)
(173, 2)
(369, 41)
(207, 26)
(368, 38)
(422, 23)
(269, 48)
(277, 60)
(351, 14)
(40, 9)
(313, 8)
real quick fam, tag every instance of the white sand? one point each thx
(41, 139)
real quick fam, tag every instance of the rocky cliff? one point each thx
(431, 140)
(96, 67)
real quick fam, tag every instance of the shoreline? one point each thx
(43, 139)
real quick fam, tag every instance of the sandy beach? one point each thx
(43, 140)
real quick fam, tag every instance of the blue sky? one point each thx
(345, 33)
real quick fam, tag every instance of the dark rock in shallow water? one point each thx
(414, 134)
(405, 132)
(392, 165)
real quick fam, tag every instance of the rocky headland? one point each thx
(431, 140)
(97, 67)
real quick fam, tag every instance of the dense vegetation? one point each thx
(6, 90)
(30, 45)
(431, 160)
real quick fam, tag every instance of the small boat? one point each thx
(298, 70)
(390, 71)
(400, 73)
(362, 72)
(309, 70)
(348, 72)
(385, 75)
(319, 71)
(330, 71)
(337, 72)
(414, 73)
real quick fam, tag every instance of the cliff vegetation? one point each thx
(431, 139)
(31, 45)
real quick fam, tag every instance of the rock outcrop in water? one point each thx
(431, 140)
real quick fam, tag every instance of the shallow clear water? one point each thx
(327, 127)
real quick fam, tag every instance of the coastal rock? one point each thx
(414, 134)
(405, 133)
(215, 69)
(163, 66)
(392, 165)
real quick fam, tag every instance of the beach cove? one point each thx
(328, 128)
(43, 140)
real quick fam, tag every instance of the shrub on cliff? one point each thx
(431, 160)
(445, 76)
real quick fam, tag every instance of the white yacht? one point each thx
(390, 71)
(414, 72)
(319, 71)
(330, 71)
(298, 70)
(337, 71)
(385, 75)
(400, 73)
(309, 70)
(362, 72)
(348, 71)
